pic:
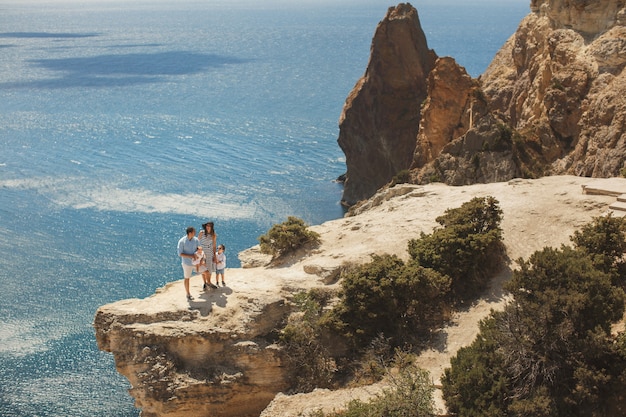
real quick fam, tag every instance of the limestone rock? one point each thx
(555, 94)
(447, 112)
(253, 257)
(482, 155)
(589, 17)
(197, 358)
(380, 119)
(560, 81)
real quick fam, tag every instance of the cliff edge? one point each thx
(215, 355)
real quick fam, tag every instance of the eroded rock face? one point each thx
(560, 81)
(553, 101)
(380, 119)
(447, 112)
(460, 140)
(197, 358)
(586, 16)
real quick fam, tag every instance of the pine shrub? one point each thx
(287, 237)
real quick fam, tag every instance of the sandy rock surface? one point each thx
(536, 213)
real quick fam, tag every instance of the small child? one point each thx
(221, 264)
(198, 259)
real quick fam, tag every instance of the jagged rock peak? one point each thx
(551, 102)
(446, 113)
(380, 119)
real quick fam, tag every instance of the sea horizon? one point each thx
(122, 124)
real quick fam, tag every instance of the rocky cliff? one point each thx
(560, 83)
(381, 116)
(216, 356)
(213, 356)
(553, 101)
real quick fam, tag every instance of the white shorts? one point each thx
(188, 270)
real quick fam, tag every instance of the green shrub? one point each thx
(410, 395)
(307, 357)
(550, 352)
(387, 297)
(374, 363)
(467, 248)
(556, 332)
(604, 240)
(286, 237)
(401, 177)
(476, 383)
(434, 177)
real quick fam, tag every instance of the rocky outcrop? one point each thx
(560, 82)
(380, 119)
(197, 358)
(553, 101)
(216, 356)
(588, 17)
(447, 111)
(460, 142)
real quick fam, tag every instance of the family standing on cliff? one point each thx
(200, 254)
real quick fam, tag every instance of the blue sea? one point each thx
(121, 123)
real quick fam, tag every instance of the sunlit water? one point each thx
(121, 124)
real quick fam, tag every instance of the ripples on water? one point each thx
(122, 124)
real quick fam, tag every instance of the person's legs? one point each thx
(210, 270)
(187, 271)
(187, 287)
(205, 277)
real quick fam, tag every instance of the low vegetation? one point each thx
(467, 247)
(401, 177)
(551, 352)
(410, 394)
(287, 237)
(389, 303)
(306, 353)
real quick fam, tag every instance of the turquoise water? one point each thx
(122, 124)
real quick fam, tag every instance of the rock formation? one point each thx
(560, 82)
(198, 358)
(380, 118)
(216, 356)
(459, 141)
(553, 101)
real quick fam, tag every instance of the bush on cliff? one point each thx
(404, 301)
(386, 296)
(410, 394)
(307, 356)
(286, 237)
(467, 248)
(603, 239)
(550, 352)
